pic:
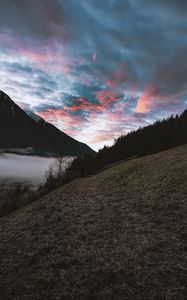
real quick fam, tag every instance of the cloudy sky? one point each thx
(95, 68)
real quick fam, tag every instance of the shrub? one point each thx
(56, 175)
(14, 197)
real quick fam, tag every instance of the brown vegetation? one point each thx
(119, 234)
(17, 195)
(14, 196)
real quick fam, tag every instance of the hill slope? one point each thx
(159, 136)
(117, 235)
(22, 130)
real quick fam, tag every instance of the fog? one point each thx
(28, 169)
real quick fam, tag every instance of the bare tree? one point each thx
(55, 173)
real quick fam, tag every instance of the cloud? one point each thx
(95, 68)
(33, 20)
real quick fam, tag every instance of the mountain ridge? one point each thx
(18, 129)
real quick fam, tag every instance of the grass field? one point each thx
(120, 234)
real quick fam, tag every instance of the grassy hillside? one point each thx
(117, 235)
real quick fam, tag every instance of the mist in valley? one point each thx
(26, 169)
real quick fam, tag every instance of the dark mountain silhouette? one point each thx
(19, 129)
(161, 135)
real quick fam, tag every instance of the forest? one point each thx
(161, 135)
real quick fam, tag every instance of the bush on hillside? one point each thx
(14, 197)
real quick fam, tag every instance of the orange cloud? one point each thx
(153, 98)
(81, 104)
(145, 102)
(103, 136)
(107, 97)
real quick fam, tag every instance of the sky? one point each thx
(96, 69)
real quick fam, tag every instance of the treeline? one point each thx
(161, 135)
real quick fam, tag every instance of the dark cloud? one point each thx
(176, 5)
(38, 19)
(108, 65)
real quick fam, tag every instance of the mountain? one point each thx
(116, 235)
(33, 116)
(26, 132)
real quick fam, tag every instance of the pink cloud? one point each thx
(102, 136)
(107, 97)
(153, 99)
(94, 56)
(145, 101)
(46, 58)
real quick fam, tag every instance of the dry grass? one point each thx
(16, 195)
(117, 235)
